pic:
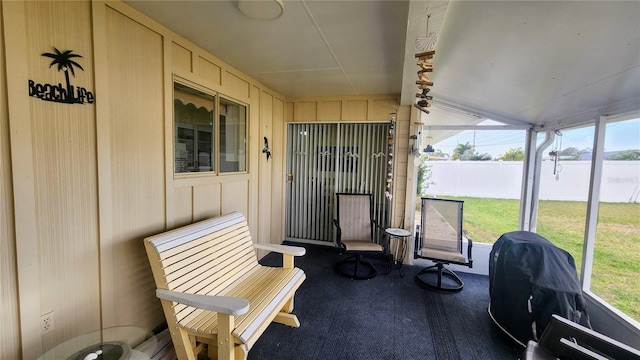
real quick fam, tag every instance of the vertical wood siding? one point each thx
(136, 126)
(10, 331)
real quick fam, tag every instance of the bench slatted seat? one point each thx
(213, 290)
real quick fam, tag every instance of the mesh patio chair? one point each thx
(440, 240)
(355, 235)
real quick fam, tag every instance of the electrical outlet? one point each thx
(47, 324)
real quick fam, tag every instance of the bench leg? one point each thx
(182, 344)
(287, 319)
(212, 349)
(240, 353)
(288, 306)
(225, 339)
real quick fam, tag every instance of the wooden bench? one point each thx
(213, 290)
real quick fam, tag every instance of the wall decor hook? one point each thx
(265, 149)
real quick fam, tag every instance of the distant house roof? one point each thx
(437, 156)
(607, 155)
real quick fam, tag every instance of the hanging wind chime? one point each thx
(555, 154)
(388, 192)
(429, 148)
(426, 50)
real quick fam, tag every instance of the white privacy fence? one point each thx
(503, 179)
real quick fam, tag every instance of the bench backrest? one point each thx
(204, 257)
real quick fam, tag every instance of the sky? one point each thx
(623, 135)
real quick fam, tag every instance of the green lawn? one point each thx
(616, 269)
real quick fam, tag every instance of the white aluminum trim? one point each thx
(593, 203)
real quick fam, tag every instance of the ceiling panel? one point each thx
(308, 83)
(289, 43)
(538, 61)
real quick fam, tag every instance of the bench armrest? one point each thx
(283, 249)
(224, 304)
(288, 252)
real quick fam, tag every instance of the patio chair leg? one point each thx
(350, 267)
(441, 271)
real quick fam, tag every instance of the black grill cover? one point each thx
(529, 280)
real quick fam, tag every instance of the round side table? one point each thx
(114, 343)
(397, 246)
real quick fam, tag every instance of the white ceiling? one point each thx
(547, 63)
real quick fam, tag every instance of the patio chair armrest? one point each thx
(375, 223)
(469, 246)
(224, 304)
(336, 223)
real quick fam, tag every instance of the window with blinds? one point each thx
(323, 159)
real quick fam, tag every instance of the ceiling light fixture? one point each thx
(261, 9)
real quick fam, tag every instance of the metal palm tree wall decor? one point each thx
(58, 93)
(64, 62)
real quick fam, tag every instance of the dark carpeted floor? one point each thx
(387, 317)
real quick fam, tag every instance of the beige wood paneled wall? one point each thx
(132, 121)
(339, 109)
(64, 167)
(9, 331)
(215, 195)
(54, 174)
(404, 171)
(277, 144)
(142, 194)
(82, 185)
(90, 181)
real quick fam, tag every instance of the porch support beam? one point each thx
(593, 203)
(531, 180)
(528, 177)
